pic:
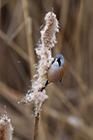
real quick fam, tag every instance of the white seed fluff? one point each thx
(6, 129)
(44, 54)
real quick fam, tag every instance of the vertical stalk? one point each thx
(36, 127)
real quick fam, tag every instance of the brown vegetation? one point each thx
(68, 113)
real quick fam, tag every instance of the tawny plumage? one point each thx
(56, 70)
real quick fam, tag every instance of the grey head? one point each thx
(60, 59)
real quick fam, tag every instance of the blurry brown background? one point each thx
(68, 113)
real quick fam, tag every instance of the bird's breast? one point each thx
(55, 75)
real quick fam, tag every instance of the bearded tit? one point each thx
(56, 70)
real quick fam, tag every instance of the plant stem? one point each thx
(36, 126)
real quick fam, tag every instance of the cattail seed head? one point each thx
(44, 54)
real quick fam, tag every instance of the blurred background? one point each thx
(68, 113)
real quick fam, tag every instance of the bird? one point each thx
(56, 70)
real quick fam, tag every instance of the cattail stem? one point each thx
(37, 94)
(36, 126)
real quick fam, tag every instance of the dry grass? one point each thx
(20, 22)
